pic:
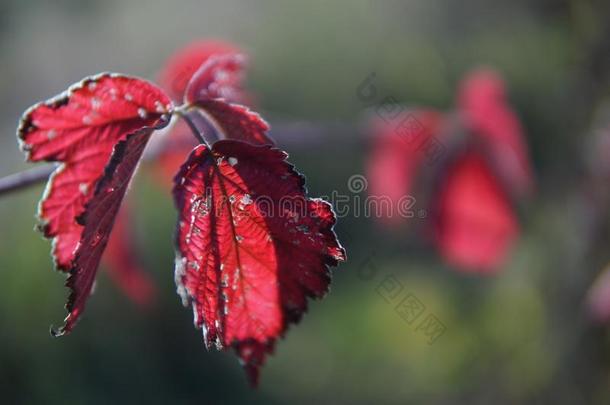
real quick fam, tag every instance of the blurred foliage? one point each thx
(519, 337)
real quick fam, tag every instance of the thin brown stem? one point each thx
(193, 128)
(26, 178)
(294, 134)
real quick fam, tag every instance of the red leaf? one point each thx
(97, 222)
(236, 122)
(80, 129)
(218, 77)
(483, 101)
(86, 129)
(229, 121)
(251, 247)
(122, 263)
(395, 161)
(475, 224)
(182, 65)
(211, 69)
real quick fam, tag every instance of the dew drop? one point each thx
(83, 188)
(233, 161)
(221, 75)
(159, 107)
(113, 93)
(303, 228)
(95, 103)
(51, 134)
(200, 208)
(142, 113)
(87, 120)
(246, 199)
(128, 97)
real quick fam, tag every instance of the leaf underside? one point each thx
(97, 222)
(86, 130)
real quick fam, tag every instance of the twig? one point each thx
(26, 178)
(287, 134)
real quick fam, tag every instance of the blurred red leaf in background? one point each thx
(478, 169)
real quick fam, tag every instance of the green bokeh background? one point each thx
(520, 337)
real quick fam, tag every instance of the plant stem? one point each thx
(296, 134)
(193, 128)
(26, 178)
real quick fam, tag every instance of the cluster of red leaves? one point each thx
(471, 185)
(245, 261)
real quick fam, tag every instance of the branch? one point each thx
(26, 178)
(292, 134)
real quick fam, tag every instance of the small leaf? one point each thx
(251, 247)
(220, 77)
(236, 122)
(199, 66)
(181, 66)
(475, 223)
(397, 158)
(483, 103)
